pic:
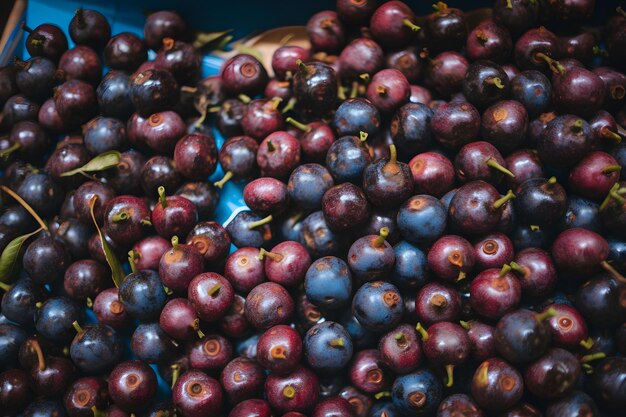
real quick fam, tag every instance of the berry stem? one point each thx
(293, 122)
(410, 25)
(554, 65)
(77, 327)
(587, 343)
(504, 199)
(365, 77)
(304, 68)
(26, 206)
(227, 177)
(546, 315)
(337, 343)
(265, 220)
(382, 236)
(496, 81)
(363, 136)
(162, 197)
(509, 5)
(465, 324)
(423, 333)
(354, 92)
(612, 193)
(5, 287)
(8, 151)
(270, 146)
(146, 222)
(505, 270)
(450, 375)
(382, 394)
(26, 28)
(552, 181)
(535, 228)
(593, 357)
(34, 345)
(120, 217)
(609, 134)
(133, 255)
(276, 257)
(195, 325)
(620, 11)
(244, 98)
(97, 413)
(275, 102)
(215, 290)
(174, 241)
(515, 267)
(614, 272)
(290, 105)
(609, 169)
(175, 373)
(492, 163)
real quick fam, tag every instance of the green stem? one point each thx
(244, 98)
(593, 357)
(175, 373)
(337, 343)
(304, 68)
(614, 272)
(270, 146)
(503, 200)
(552, 180)
(423, 333)
(609, 169)
(97, 413)
(518, 268)
(535, 228)
(146, 222)
(496, 81)
(609, 134)
(365, 77)
(133, 255)
(554, 65)
(162, 197)
(410, 25)
(215, 290)
(26, 206)
(382, 394)
(290, 105)
(450, 375)
(293, 122)
(5, 287)
(275, 102)
(545, 315)
(276, 257)
(492, 163)
(505, 270)
(363, 136)
(227, 177)
(174, 241)
(77, 327)
(609, 197)
(354, 91)
(261, 222)
(382, 236)
(120, 217)
(587, 343)
(465, 324)
(509, 5)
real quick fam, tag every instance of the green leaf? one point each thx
(99, 163)
(245, 49)
(117, 271)
(209, 41)
(10, 255)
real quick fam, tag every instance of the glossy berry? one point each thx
(95, 348)
(418, 392)
(522, 335)
(211, 295)
(328, 283)
(297, 391)
(132, 385)
(267, 305)
(377, 305)
(496, 385)
(142, 294)
(494, 292)
(327, 347)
